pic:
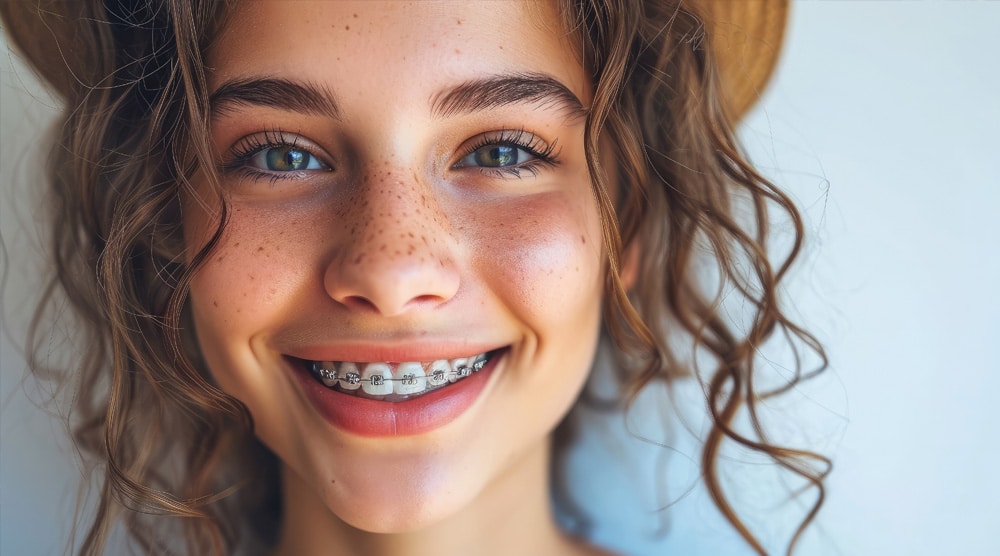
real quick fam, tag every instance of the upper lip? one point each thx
(391, 353)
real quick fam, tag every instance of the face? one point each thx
(407, 291)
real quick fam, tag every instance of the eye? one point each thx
(285, 158)
(276, 155)
(497, 156)
(508, 153)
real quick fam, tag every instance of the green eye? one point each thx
(496, 156)
(286, 158)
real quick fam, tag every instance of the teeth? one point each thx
(377, 379)
(410, 379)
(399, 379)
(438, 373)
(350, 376)
(327, 371)
(477, 363)
(459, 369)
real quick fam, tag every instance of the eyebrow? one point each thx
(506, 89)
(275, 93)
(470, 96)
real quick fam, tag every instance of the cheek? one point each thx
(246, 272)
(246, 282)
(543, 253)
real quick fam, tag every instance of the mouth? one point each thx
(395, 382)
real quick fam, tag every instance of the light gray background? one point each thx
(882, 122)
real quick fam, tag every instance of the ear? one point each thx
(630, 264)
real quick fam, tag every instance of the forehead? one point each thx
(406, 47)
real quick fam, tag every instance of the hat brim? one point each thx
(746, 37)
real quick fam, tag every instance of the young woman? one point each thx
(345, 265)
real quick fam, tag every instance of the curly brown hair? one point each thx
(181, 467)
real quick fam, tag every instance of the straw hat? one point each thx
(746, 36)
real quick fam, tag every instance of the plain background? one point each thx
(882, 122)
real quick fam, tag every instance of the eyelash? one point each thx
(250, 146)
(544, 154)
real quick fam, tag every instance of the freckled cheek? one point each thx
(543, 255)
(247, 277)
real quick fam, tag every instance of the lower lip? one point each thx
(375, 418)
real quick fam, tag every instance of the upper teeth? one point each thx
(381, 379)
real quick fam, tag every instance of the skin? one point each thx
(392, 242)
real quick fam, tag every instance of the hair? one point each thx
(181, 468)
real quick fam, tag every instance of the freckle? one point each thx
(239, 310)
(355, 16)
(219, 260)
(347, 27)
(501, 47)
(261, 248)
(458, 21)
(410, 234)
(237, 244)
(252, 277)
(383, 248)
(583, 240)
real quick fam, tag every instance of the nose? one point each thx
(397, 253)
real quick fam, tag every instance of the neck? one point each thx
(512, 515)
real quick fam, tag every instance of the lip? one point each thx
(377, 418)
(389, 354)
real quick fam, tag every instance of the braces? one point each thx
(408, 379)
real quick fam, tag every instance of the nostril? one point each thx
(421, 299)
(359, 303)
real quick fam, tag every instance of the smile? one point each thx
(395, 382)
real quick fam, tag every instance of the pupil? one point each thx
(502, 155)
